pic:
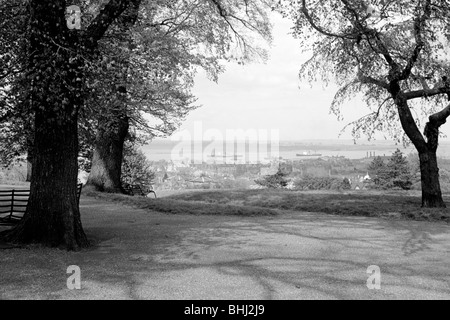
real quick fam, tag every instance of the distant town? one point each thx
(175, 175)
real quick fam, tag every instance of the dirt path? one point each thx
(143, 255)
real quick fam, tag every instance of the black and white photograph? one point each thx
(224, 156)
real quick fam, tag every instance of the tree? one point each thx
(55, 65)
(398, 170)
(376, 165)
(170, 40)
(378, 170)
(395, 173)
(392, 55)
(16, 130)
(113, 123)
(136, 168)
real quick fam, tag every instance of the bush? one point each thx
(395, 174)
(346, 185)
(136, 168)
(275, 181)
(322, 183)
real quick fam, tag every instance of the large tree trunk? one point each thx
(431, 189)
(53, 217)
(429, 172)
(108, 155)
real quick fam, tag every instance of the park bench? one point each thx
(13, 204)
(137, 190)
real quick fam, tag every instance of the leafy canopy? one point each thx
(365, 46)
(395, 173)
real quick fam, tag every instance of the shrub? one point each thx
(136, 168)
(322, 183)
(395, 174)
(275, 181)
(346, 185)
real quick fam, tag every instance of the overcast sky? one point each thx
(267, 96)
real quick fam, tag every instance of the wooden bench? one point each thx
(13, 204)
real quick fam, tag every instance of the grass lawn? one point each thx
(177, 206)
(385, 204)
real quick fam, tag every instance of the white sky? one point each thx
(267, 96)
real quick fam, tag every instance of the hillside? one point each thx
(398, 205)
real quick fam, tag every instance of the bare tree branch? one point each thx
(431, 130)
(439, 118)
(425, 93)
(223, 13)
(419, 24)
(369, 80)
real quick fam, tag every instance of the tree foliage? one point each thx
(362, 52)
(156, 60)
(399, 171)
(377, 170)
(396, 173)
(274, 181)
(15, 118)
(162, 52)
(322, 183)
(136, 168)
